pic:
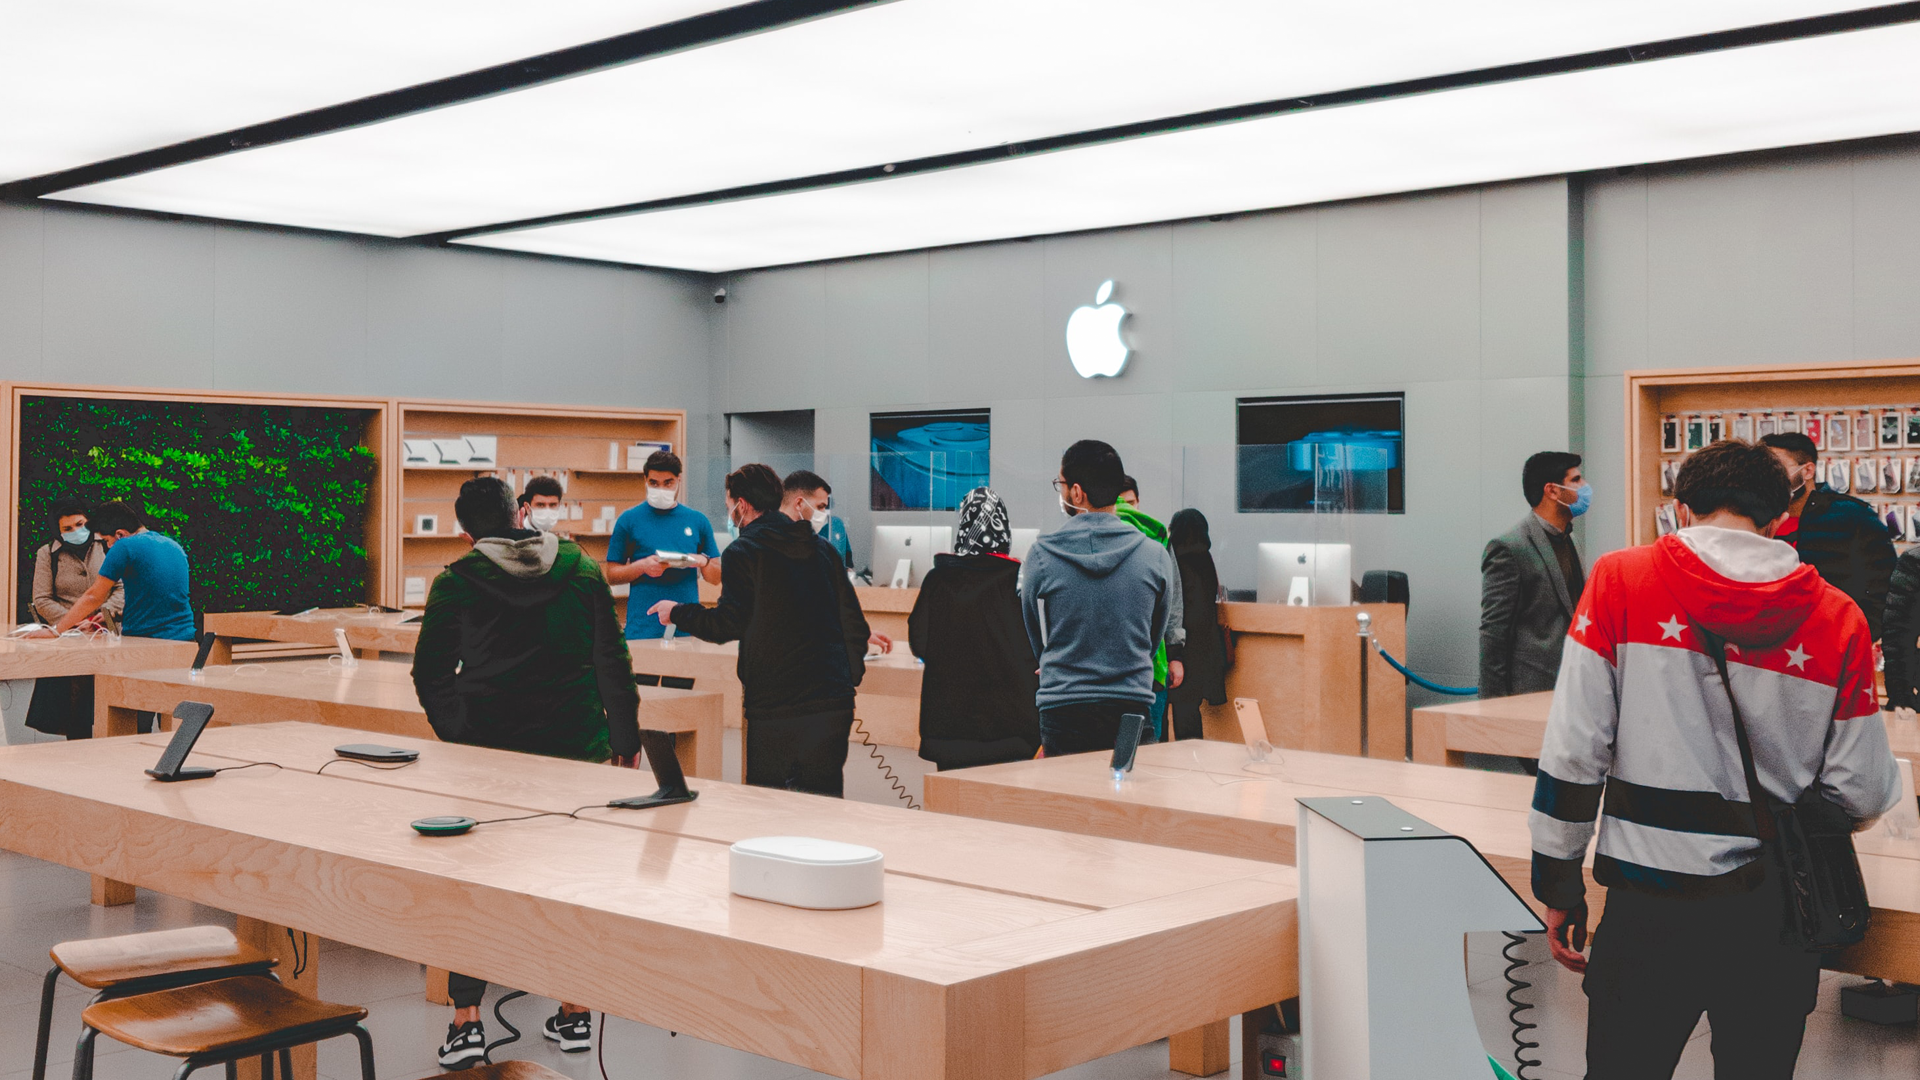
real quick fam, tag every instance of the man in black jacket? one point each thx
(779, 598)
(1838, 535)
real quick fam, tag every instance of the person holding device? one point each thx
(1699, 668)
(639, 554)
(519, 650)
(153, 571)
(62, 570)
(1096, 600)
(780, 598)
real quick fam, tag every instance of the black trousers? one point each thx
(1184, 710)
(466, 992)
(1659, 962)
(1087, 726)
(800, 753)
(63, 705)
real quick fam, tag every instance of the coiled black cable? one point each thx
(886, 770)
(513, 1032)
(1515, 984)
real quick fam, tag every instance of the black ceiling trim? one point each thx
(1817, 26)
(688, 33)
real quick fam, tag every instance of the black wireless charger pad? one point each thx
(448, 825)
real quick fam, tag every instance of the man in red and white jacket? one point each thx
(1641, 734)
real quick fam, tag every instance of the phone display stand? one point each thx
(658, 747)
(902, 574)
(1253, 728)
(172, 767)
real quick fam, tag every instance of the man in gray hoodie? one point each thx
(1096, 597)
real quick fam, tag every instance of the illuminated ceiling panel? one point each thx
(86, 80)
(894, 82)
(1843, 86)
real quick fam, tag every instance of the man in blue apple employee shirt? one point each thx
(660, 525)
(151, 566)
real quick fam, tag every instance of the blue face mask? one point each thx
(1581, 500)
(77, 537)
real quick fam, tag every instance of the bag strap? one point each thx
(1762, 819)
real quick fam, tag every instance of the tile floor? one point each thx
(41, 904)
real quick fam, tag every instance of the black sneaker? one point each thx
(466, 1046)
(573, 1031)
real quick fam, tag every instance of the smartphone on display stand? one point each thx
(1126, 743)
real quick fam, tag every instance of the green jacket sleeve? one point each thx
(436, 659)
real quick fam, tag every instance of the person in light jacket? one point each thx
(62, 570)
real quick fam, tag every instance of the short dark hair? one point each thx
(485, 507)
(804, 480)
(1737, 476)
(65, 508)
(1801, 448)
(1096, 467)
(1128, 483)
(756, 485)
(109, 518)
(542, 485)
(662, 461)
(1543, 468)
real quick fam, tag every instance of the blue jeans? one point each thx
(1085, 727)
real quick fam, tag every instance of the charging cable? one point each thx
(1515, 984)
(251, 765)
(365, 764)
(886, 770)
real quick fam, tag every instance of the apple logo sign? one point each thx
(1094, 344)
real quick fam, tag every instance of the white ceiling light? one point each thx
(893, 82)
(86, 80)
(1844, 86)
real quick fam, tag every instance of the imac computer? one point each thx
(911, 545)
(1306, 575)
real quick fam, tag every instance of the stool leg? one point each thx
(266, 1067)
(272, 939)
(185, 1070)
(233, 1071)
(286, 1061)
(46, 1026)
(83, 1054)
(366, 1051)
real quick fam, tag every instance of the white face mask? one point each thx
(1067, 508)
(544, 518)
(662, 498)
(78, 536)
(820, 519)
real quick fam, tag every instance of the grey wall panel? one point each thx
(429, 318)
(1616, 275)
(22, 248)
(290, 312)
(1604, 528)
(127, 301)
(1140, 262)
(1886, 251)
(776, 339)
(1523, 280)
(876, 329)
(1245, 300)
(986, 322)
(1399, 288)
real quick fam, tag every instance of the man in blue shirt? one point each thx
(151, 566)
(661, 524)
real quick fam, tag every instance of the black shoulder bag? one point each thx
(1809, 844)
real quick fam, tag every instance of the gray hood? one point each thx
(1095, 544)
(528, 558)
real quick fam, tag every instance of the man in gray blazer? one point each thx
(1530, 581)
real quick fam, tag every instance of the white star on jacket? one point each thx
(1671, 628)
(1798, 657)
(1580, 625)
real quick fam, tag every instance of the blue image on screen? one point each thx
(922, 463)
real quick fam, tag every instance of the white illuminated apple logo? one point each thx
(1094, 343)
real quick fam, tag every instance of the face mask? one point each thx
(820, 519)
(662, 498)
(77, 537)
(543, 518)
(1799, 490)
(1066, 507)
(1581, 500)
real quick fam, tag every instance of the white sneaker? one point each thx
(466, 1046)
(573, 1031)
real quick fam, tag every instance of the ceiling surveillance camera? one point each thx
(720, 296)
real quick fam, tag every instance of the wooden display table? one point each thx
(888, 703)
(47, 658)
(1202, 796)
(369, 633)
(999, 953)
(887, 610)
(1302, 664)
(1510, 726)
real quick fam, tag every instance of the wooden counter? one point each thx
(1303, 665)
(888, 703)
(1510, 726)
(999, 953)
(46, 658)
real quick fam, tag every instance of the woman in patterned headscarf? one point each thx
(1209, 649)
(977, 693)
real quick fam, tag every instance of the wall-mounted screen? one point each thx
(929, 460)
(269, 501)
(1332, 454)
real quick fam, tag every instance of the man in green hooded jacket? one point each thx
(519, 650)
(1167, 668)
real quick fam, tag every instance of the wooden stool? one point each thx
(506, 1070)
(138, 963)
(221, 1022)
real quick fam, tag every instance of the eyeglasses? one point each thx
(1060, 486)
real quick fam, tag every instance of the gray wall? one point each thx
(1458, 298)
(1803, 257)
(783, 440)
(109, 299)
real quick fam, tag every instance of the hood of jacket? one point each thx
(783, 536)
(520, 571)
(1751, 614)
(1147, 525)
(1095, 544)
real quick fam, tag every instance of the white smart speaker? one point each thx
(803, 872)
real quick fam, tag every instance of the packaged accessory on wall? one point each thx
(1840, 475)
(1716, 428)
(1665, 520)
(1743, 427)
(1763, 427)
(1866, 478)
(1696, 432)
(1863, 434)
(1666, 477)
(1913, 524)
(1814, 429)
(1913, 425)
(1670, 434)
(1890, 476)
(1913, 474)
(1894, 517)
(1890, 428)
(1839, 433)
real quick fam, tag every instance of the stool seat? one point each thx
(220, 1018)
(107, 963)
(507, 1070)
